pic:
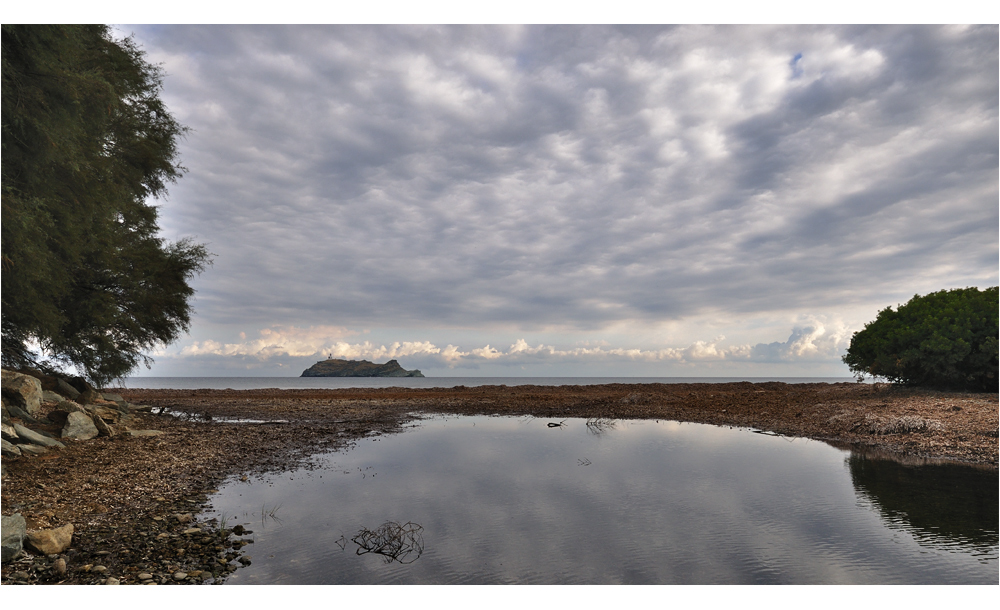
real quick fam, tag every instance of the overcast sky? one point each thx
(648, 201)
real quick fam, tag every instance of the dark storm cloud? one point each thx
(579, 176)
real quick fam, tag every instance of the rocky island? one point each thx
(358, 368)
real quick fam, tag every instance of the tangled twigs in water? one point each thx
(393, 541)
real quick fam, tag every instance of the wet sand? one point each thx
(120, 493)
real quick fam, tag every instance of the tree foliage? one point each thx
(946, 339)
(87, 142)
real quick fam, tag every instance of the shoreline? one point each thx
(124, 515)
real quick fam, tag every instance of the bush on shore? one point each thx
(945, 339)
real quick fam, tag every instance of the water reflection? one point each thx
(938, 503)
(504, 500)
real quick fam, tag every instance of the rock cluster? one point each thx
(42, 413)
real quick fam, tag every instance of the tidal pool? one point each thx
(490, 500)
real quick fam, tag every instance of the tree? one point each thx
(946, 339)
(87, 142)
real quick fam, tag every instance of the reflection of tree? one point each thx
(393, 541)
(940, 501)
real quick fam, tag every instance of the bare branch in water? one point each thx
(393, 541)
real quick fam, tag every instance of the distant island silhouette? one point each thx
(333, 367)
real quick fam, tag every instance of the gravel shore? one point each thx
(130, 499)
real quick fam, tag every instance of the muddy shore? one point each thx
(124, 494)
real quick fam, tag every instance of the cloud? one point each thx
(577, 178)
(806, 343)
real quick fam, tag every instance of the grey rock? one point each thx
(8, 432)
(48, 396)
(22, 391)
(32, 449)
(79, 426)
(180, 575)
(69, 406)
(112, 416)
(112, 397)
(88, 396)
(8, 448)
(27, 435)
(18, 412)
(66, 389)
(14, 529)
(112, 581)
(103, 428)
(59, 566)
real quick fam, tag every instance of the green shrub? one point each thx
(946, 339)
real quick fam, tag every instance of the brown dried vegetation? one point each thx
(120, 492)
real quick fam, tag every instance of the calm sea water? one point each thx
(507, 500)
(252, 383)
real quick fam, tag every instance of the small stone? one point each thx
(112, 581)
(245, 560)
(145, 576)
(99, 569)
(193, 530)
(20, 576)
(180, 575)
(59, 566)
(238, 530)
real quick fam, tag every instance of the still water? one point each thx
(506, 500)
(300, 383)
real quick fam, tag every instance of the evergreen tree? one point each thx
(86, 144)
(946, 339)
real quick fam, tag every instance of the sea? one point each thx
(305, 383)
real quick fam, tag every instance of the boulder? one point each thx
(79, 426)
(9, 449)
(88, 396)
(112, 416)
(103, 429)
(13, 527)
(22, 391)
(50, 542)
(50, 396)
(32, 449)
(27, 435)
(21, 414)
(8, 432)
(69, 406)
(66, 389)
(112, 397)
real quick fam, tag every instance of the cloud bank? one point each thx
(573, 179)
